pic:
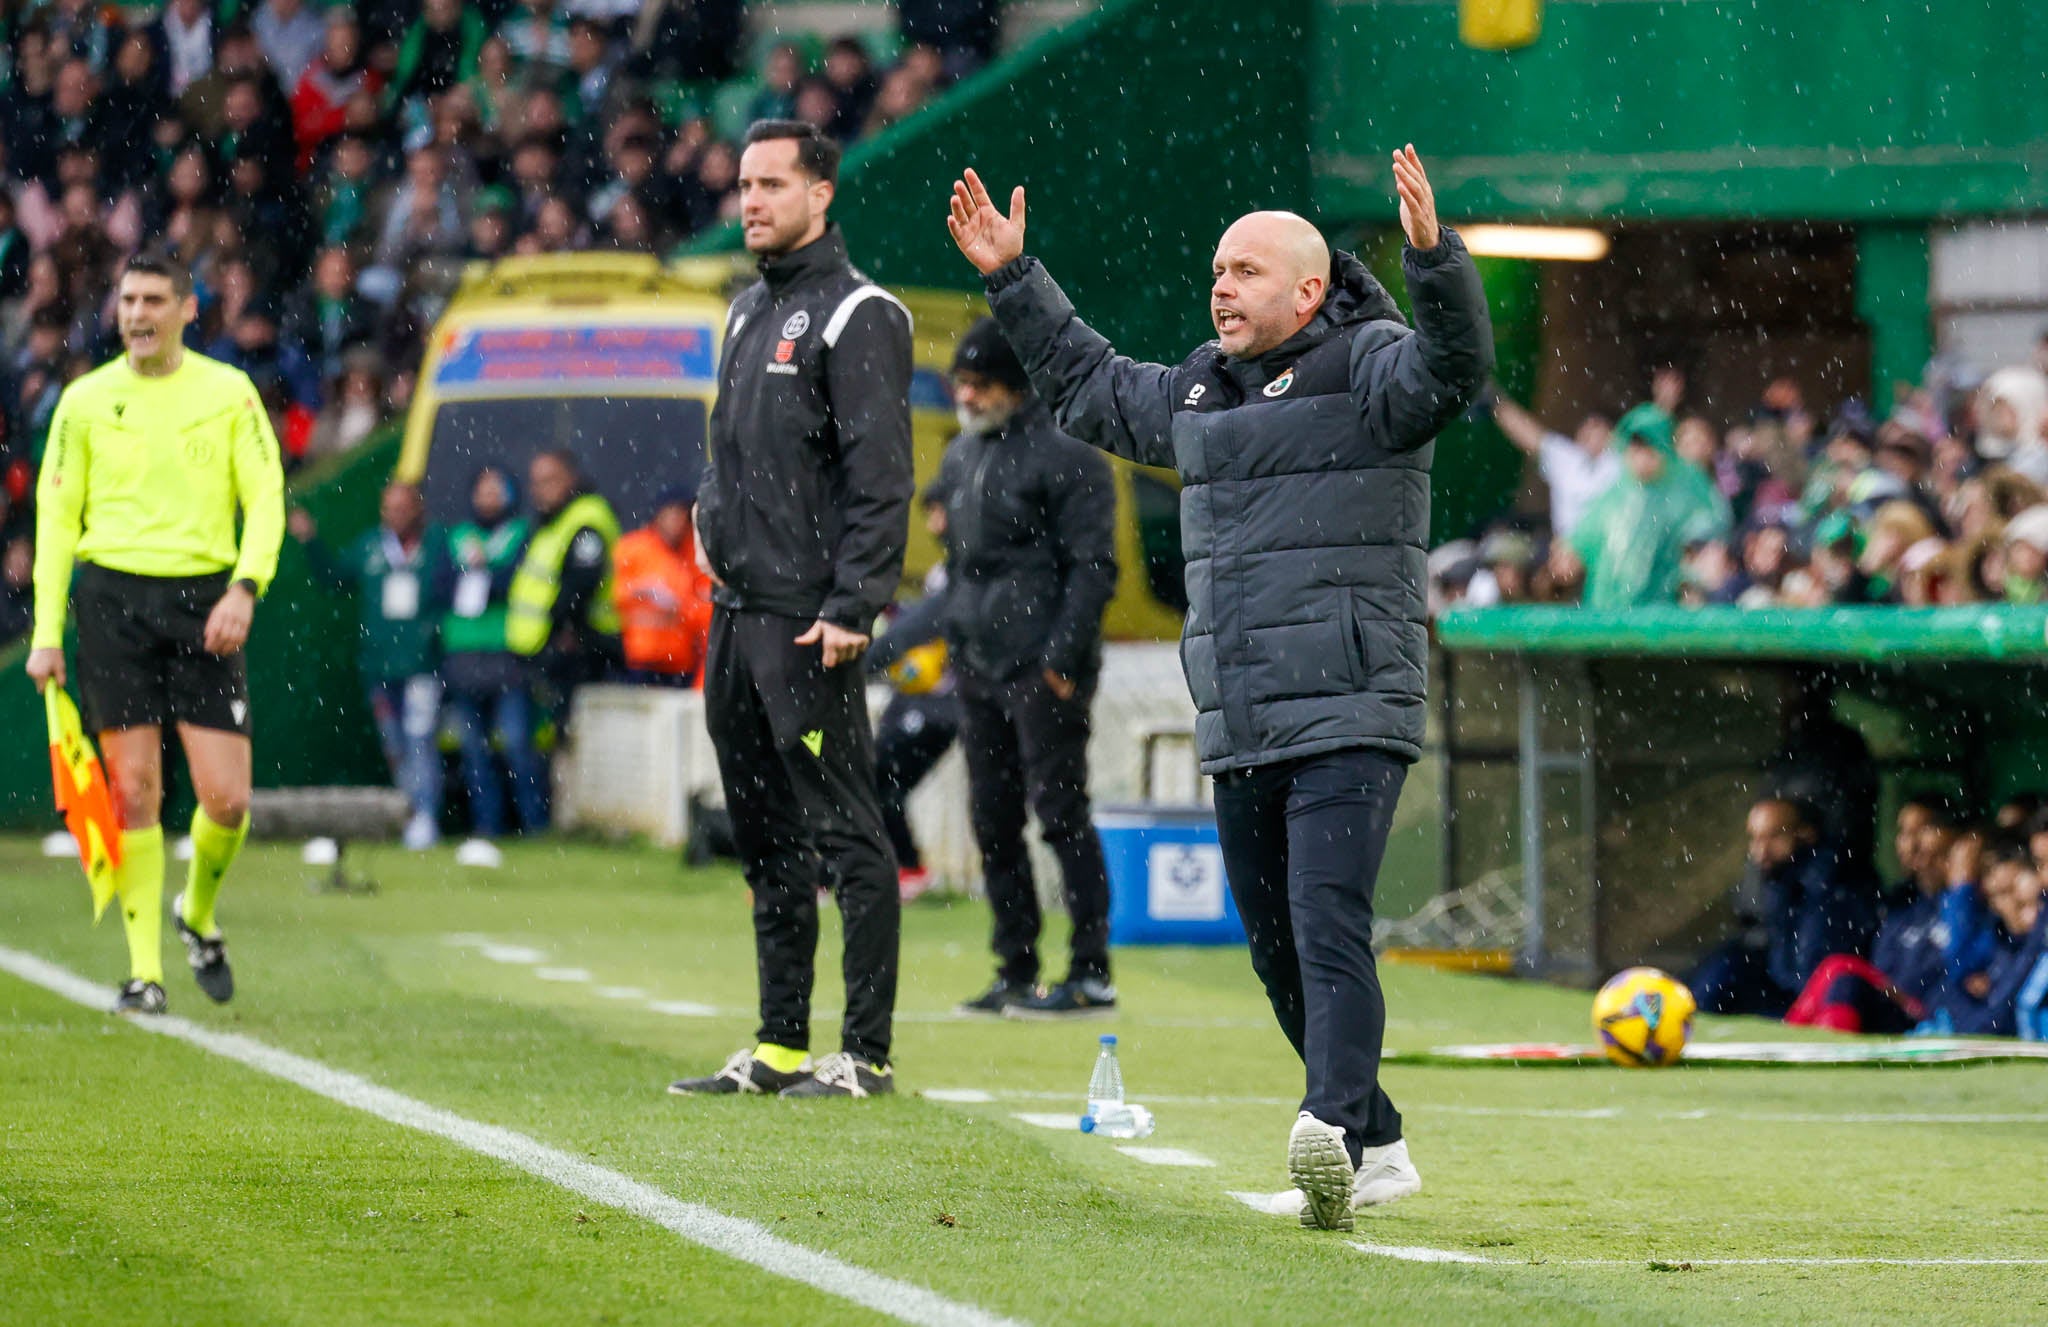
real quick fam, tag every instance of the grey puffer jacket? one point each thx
(1305, 506)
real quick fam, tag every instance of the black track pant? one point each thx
(1026, 746)
(1302, 843)
(914, 732)
(798, 763)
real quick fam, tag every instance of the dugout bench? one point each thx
(1607, 759)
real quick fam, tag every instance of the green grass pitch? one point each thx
(145, 1179)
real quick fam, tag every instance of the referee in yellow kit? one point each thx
(150, 457)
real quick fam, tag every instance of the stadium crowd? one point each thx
(326, 171)
(1944, 501)
(1957, 945)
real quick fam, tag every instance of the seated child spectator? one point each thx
(1985, 1000)
(1897, 987)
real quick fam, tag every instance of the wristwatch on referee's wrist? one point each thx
(245, 583)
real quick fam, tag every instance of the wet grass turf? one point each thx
(141, 1178)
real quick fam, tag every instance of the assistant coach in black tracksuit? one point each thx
(1031, 564)
(802, 518)
(1303, 435)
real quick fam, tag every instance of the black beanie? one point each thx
(984, 350)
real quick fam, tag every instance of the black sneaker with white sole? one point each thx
(1077, 997)
(141, 997)
(999, 996)
(843, 1074)
(209, 957)
(743, 1075)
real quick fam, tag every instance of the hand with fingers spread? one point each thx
(987, 237)
(1418, 202)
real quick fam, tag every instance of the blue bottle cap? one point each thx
(1087, 1124)
(1109, 1038)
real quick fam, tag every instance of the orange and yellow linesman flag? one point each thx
(83, 796)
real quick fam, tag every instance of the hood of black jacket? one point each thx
(1356, 297)
(1030, 419)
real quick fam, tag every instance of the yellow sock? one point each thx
(213, 851)
(782, 1059)
(139, 880)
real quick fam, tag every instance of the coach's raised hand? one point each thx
(987, 237)
(1418, 200)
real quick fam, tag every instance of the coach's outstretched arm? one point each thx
(1409, 385)
(1117, 403)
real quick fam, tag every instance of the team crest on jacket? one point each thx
(799, 323)
(1279, 385)
(784, 351)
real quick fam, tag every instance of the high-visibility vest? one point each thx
(537, 583)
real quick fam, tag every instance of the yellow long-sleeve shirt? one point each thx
(145, 475)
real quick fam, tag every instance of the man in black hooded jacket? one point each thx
(1031, 564)
(1303, 435)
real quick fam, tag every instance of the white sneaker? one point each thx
(1384, 1174)
(59, 843)
(1321, 1168)
(479, 852)
(320, 852)
(421, 833)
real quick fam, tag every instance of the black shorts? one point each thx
(141, 653)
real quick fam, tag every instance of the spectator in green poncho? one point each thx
(1632, 540)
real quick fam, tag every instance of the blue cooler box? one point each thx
(1166, 883)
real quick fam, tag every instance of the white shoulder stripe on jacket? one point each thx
(836, 325)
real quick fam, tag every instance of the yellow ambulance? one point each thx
(615, 356)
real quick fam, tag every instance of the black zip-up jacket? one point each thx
(1304, 510)
(804, 507)
(1031, 548)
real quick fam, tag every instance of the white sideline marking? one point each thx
(1417, 1253)
(682, 1009)
(562, 974)
(1070, 1123)
(621, 993)
(512, 954)
(1166, 1156)
(975, 1096)
(1285, 1203)
(730, 1235)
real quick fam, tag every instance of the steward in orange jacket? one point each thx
(664, 600)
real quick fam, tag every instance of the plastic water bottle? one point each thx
(1106, 1084)
(1108, 1114)
(1122, 1121)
